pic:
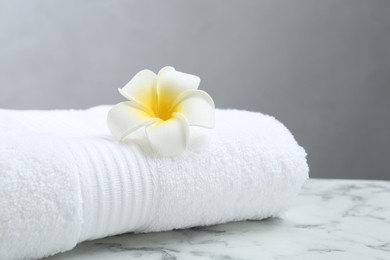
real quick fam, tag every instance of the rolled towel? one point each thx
(65, 180)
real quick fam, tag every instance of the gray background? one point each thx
(321, 67)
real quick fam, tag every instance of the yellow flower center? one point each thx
(163, 108)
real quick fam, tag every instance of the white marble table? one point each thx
(331, 219)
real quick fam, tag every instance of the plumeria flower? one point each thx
(165, 104)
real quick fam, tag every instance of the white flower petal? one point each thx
(142, 89)
(164, 70)
(197, 107)
(126, 117)
(170, 84)
(169, 137)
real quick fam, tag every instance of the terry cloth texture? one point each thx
(64, 179)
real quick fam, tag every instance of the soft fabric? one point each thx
(64, 180)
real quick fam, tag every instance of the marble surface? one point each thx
(330, 219)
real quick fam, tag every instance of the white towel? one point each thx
(64, 180)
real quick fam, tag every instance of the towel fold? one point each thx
(64, 180)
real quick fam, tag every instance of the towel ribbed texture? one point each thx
(114, 201)
(64, 179)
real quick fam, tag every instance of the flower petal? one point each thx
(170, 84)
(197, 107)
(142, 89)
(169, 137)
(126, 117)
(164, 70)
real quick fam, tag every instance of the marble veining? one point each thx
(330, 219)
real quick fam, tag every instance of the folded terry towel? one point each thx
(64, 180)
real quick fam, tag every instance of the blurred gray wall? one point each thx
(321, 67)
